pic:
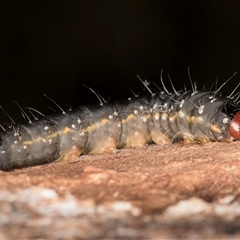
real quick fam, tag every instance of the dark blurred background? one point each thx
(55, 47)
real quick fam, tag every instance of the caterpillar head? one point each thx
(234, 127)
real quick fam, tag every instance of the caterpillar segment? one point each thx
(161, 118)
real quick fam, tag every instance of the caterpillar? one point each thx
(160, 117)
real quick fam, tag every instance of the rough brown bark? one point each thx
(174, 191)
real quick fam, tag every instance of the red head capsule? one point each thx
(234, 127)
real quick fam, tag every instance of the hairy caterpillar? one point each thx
(162, 117)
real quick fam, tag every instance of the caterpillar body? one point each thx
(161, 118)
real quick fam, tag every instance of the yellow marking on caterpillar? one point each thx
(104, 121)
(173, 117)
(193, 119)
(156, 116)
(66, 130)
(164, 116)
(53, 135)
(129, 117)
(215, 128)
(93, 126)
(149, 116)
(190, 119)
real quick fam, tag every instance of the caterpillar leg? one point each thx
(136, 140)
(159, 138)
(70, 156)
(105, 146)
